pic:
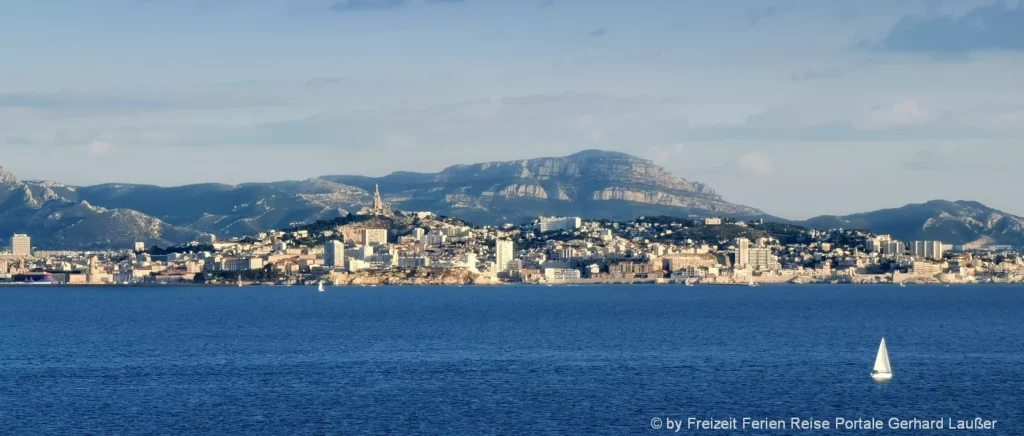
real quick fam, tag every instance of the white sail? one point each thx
(882, 360)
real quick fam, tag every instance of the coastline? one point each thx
(553, 284)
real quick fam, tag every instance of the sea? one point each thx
(508, 360)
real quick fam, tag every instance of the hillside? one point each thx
(952, 222)
(55, 221)
(590, 184)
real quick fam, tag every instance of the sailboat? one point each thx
(320, 286)
(240, 281)
(883, 371)
(752, 284)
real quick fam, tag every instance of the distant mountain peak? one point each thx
(8, 178)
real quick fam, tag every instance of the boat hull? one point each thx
(881, 376)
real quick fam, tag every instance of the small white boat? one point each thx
(320, 287)
(883, 370)
(903, 285)
(240, 281)
(752, 284)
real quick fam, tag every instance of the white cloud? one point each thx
(756, 163)
(99, 148)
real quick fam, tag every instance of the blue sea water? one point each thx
(501, 360)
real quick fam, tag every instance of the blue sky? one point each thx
(797, 107)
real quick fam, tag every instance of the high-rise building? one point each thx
(876, 243)
(894, 248)
(742, 253)
(375, 236)
(334, 254)
(21, 245)
(504, 253)
(418, 233)
(763, 259)
(140, 247)
(927, 249)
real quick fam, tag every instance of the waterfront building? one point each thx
(742, 253)
(243, 264)
(712, 221)
(504, 253)
(561, 274)
(21, 245)
(763, 259)
(334, 254)
(413, 261)
(926, 268)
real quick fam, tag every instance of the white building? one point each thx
(763, 259)
(413, 261)
(244, 264)
(360, 252)
(927, 249)
(504, 253)
(875, 244)
(742, 253)
(21, 245)
(561, 274)
(893, 248)
(553, 224)
(375, 236)
(712, 221)
(356, 265)
(334, 254)
(434, 240)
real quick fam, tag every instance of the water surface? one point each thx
(499, 360)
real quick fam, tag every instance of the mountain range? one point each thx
(590, 184)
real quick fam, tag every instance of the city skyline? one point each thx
(736, 96)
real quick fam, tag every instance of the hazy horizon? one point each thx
(797, 108)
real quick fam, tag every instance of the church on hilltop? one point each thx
(379, 208)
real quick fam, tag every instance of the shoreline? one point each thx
(559, 284)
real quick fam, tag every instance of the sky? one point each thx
(800, 108)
